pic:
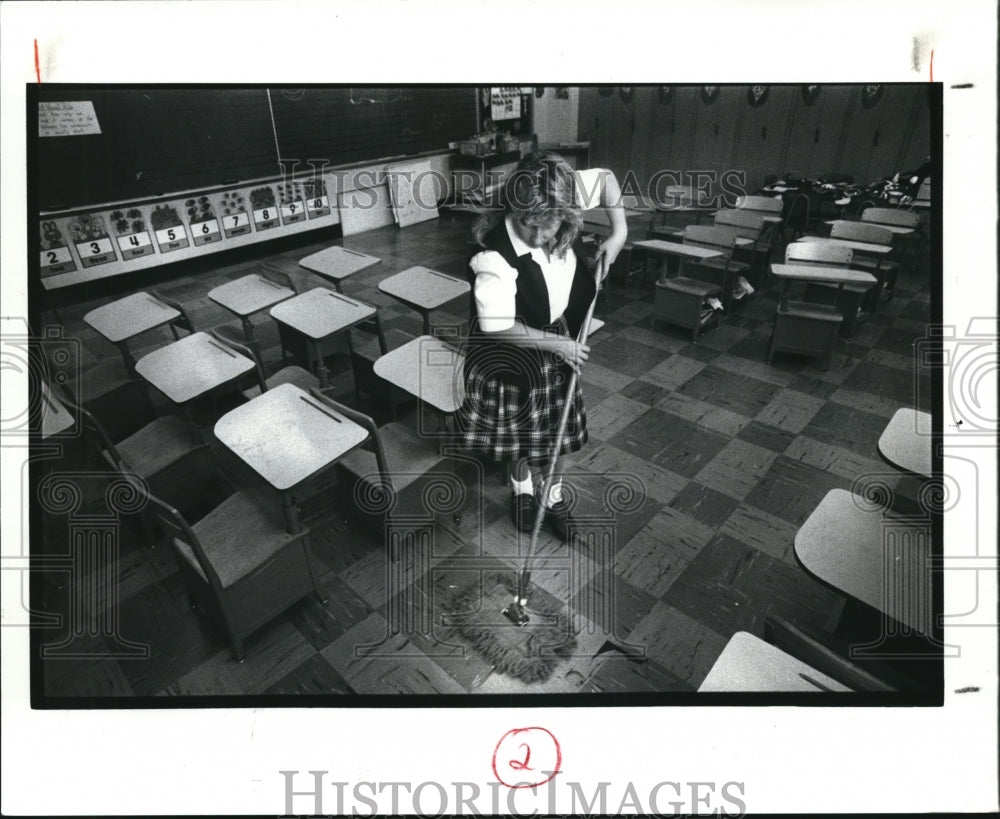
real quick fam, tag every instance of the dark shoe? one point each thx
(523, 508)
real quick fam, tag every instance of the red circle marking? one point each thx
(524, 753)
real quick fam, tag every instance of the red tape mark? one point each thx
(38, 71)
(932, 65)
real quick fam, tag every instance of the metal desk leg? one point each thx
(290, 512)
(127, 358)
(321, 371)
(247, 328)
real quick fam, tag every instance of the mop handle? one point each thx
(563, 420)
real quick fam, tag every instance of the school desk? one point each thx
(287, 436)
(423, 290)
(128, 317)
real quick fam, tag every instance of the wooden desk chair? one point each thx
(802, 326)
(850, 299)
(883, 269)
(292, 374)
(796, 218)
(396, 478)
(749, 225)
(721, 272)
(684, 301)
(162, 454)
(239, 562)
(899, 218)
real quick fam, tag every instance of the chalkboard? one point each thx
(342, 125)
(157, 140)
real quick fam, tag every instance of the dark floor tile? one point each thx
(699, 352)
(713, 590)
(897, 341)
(615, 606)
(815, 387)
(620, 675)
(791, 490)
(314, 676)
(850, 428)
(625, 356)
(885, 382)
(670, 442)
(158, 616)
(765, 435)
(704, 505)
(644, 392)
(746, 396)
(320, 624)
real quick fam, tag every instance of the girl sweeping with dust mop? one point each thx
(532, 290)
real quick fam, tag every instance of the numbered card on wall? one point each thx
(96, 252)
(56, 257)
(133, 245)
(206, 232)
(57, 260)
(264, 218)
(318, 206)
(292, 212)
(236, 224)
(172, 238)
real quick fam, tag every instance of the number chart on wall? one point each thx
(80, 247)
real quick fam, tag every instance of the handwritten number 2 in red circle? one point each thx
(512, 757)
(522, 766)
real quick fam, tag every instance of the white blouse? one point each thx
(496, 281)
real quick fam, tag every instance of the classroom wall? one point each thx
(555, 119)
(841, 131)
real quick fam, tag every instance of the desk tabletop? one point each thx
(338, 262)
(287, 436)
(906, 441)
(428, 368)
(748, 663)
(897, 230)
(844, 543)
(819, 273)
(192, 366)
(319, 313)
(249, 294)
(127, 317)
(677, 249)
(860, 247)
(423, 287)
(55, 417)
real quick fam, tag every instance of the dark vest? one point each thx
(515, 365)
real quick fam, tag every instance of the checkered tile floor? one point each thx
(703, 462)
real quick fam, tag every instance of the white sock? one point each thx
(525, 487)
(555, 495)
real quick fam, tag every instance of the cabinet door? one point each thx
(761, 138)
(892, 133)
(918, 147)
(621, 132)
(834, 102)
(715, 130)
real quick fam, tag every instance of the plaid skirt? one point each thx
(502, 420)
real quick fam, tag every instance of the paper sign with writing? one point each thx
(67, 119)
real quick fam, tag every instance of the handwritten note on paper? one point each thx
(67, 119)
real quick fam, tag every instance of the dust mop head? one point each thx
(530, 652)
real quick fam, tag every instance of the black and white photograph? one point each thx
(644, 400)
(487, 391)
